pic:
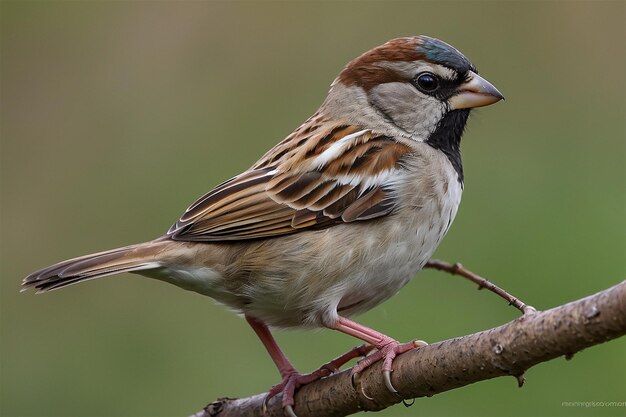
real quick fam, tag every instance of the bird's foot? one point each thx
(292, 380)
(387, 351)
(288, 386)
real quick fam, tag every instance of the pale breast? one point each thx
(409, 237)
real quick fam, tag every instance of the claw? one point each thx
(387, 353)
(387, 378)
(264, 406)
(364, 394)
(420, 343)
(289, 411)
(356, 384)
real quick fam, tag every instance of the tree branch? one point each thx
(458, 269)
(506, 350)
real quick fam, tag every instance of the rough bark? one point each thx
(508, 350)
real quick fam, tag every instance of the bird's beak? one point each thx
(475, 92)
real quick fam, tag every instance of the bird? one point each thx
(334, 219)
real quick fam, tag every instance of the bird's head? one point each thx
(411, 85)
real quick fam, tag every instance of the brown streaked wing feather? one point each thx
(274, 200)
(242, 182)
(363, 204)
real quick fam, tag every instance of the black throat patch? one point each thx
(447, 138)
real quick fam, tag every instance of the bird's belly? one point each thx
(372, 262)
(391, 265)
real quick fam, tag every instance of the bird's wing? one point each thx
(342, 176)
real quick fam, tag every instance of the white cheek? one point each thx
(409, 109)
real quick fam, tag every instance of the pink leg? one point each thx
(282, 363)
(387, 348)
(292, 379)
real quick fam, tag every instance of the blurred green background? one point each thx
(116, 115)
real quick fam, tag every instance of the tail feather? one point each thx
(127, 259)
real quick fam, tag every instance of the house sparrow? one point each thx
(333, 220)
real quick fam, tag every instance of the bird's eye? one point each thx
(427, 82)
